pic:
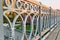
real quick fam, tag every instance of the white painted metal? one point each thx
(12, 24)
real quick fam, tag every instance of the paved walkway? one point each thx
(55, 35)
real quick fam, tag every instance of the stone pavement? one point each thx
(55, 35)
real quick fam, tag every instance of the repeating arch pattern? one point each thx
(17, 12)
(24, 21)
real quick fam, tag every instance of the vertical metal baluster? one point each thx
(1, 22)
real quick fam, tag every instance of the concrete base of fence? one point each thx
(49, 32)
(45, 31)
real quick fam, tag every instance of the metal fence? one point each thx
(23, 21)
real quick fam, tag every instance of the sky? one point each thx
(55, 4)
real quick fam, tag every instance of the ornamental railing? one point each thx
(24, 20)
(20, 22)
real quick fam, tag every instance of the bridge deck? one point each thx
(55, 35)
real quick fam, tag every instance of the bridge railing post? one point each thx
(40, 21)
(1, 22)
(50, 17)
